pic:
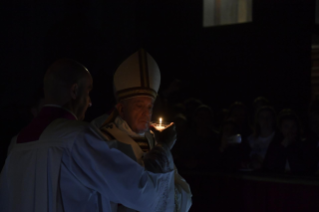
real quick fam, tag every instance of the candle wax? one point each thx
(159, 128)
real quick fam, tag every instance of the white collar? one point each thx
(59, 106)
(123, 126)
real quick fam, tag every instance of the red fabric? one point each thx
(33, 131)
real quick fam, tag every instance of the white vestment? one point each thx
(183, 195)
(72, 169)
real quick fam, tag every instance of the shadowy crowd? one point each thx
(237, 139)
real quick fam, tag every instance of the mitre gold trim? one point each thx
(137, 91)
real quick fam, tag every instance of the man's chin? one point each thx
(143, 128)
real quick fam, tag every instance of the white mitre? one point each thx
(138, 75)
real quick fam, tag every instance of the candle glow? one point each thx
(160, 125)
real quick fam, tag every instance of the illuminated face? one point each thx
(137, 112)
(84, 101)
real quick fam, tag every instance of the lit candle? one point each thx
(160, 126)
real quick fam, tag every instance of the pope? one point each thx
(136, 83)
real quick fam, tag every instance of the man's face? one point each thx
(83, 101)
(137, 112)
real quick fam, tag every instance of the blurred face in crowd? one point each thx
(258, 105)
(289, 128)
(83, 101)
(266, 120)
(137, 112)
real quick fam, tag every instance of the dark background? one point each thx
(270, 56)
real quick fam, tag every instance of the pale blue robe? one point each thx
(72, 169)
(183, 195)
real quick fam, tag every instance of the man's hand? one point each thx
(166, 137)
(158, 160)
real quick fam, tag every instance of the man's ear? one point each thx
(74, 91)
(120, 109)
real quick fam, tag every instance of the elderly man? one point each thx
(136, 82)
(60, 163)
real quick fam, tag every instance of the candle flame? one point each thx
(160, 121)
